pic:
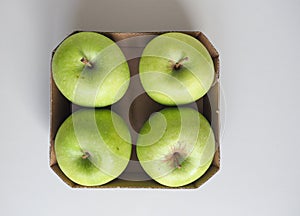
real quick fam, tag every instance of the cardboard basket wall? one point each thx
(137, 112)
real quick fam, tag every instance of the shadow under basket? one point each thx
(137, 112)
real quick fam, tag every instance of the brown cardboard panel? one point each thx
(60, 108)
(120, 183)
(216, 160)
(212, 103)
(211, 49)
(119, 36)
(135, 108)
(216, 61)
(52, 154)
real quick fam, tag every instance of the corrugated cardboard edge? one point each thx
(119, 183)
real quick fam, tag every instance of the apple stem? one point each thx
(178, 64)
(176, 158)
(86, 62)
(85, 155)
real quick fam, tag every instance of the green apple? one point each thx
(90, 70)
(176, 68)
(179, 154)
(93, 147)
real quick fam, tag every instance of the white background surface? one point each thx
(259, 46)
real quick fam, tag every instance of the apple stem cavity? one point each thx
(86, 62)
(178, 65)
(176, 158)
(85, 155)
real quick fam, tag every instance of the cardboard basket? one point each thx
(132, 45)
